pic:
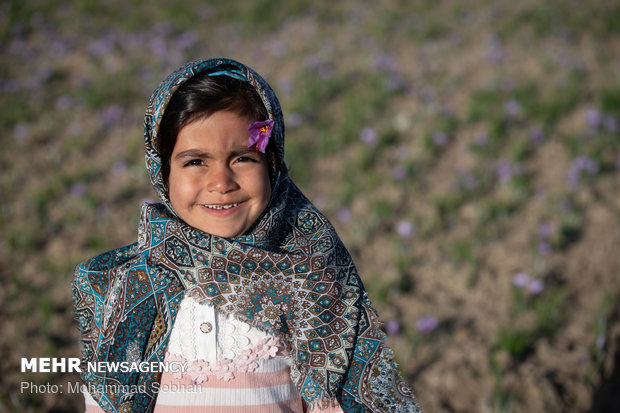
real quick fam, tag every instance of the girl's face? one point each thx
(217, 184)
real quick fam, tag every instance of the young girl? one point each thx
(235, 274)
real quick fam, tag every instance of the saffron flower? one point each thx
(532, 285)
(520, 280)
(512, 108)
(481, 139)
(392, 327)
(545, 230)
(78, 189)
(610, 124)
(345, 215)
(405, 229)
(537, 135)
(578, 167)
(544, 248)
(399, 172)
(426, 324)
(536, 287)
(507, 170)
(260, 132)
(593, 118)
(369, 136)
(439, 139)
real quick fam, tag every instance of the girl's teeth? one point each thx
(222, 206)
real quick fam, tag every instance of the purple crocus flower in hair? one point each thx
(260, 132)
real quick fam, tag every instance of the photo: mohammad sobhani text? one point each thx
(79, 387)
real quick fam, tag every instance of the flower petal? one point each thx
(260, 132)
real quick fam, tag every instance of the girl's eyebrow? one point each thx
(192, 153)
(197, 153)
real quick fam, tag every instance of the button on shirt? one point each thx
(202, 333)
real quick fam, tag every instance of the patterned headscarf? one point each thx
(290, 276)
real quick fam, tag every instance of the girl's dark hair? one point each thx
(200, 97)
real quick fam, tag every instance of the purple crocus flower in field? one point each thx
(481, 139)
(536, 287)
(399, 172)
(520, 280)
(64, 102)
(440, 138)
(503, 170)
(119, 168)
(158, 46)
(468, 181)
(495, 51)
(20, 131)
(260, 132)
(506, 170)
(111, 114)
(75, 128)
(102, 46)
(545, 230)
(369, 136)
(294, 120)
(566, 205)
(578, 166)
(344, 215)
(78, 189)
(610, 124)
(186, 40)
(532, 285)
(392, 327)
(512, 108)
(426, 324)
(593, 118)
(586, 163)
(405, 229)
(545, 248)
(537, 135)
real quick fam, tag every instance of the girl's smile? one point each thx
(217, 184)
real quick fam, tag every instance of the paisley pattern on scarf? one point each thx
(290, 276)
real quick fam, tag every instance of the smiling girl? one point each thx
(235, 273)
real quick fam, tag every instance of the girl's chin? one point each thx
(222, 230)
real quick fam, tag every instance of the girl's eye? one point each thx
(245, 159)
(194, 162)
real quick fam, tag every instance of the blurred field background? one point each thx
(467, 152)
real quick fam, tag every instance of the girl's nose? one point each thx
(221, 179)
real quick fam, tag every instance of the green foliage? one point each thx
(261, 16)
(496, 210)
(609, 99)
(561, 100)
(485, 105)
(516, 341)
(570, 229)
(549, 312)
(600, 329)
(461, 252)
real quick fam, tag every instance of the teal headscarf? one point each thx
(126, 299)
